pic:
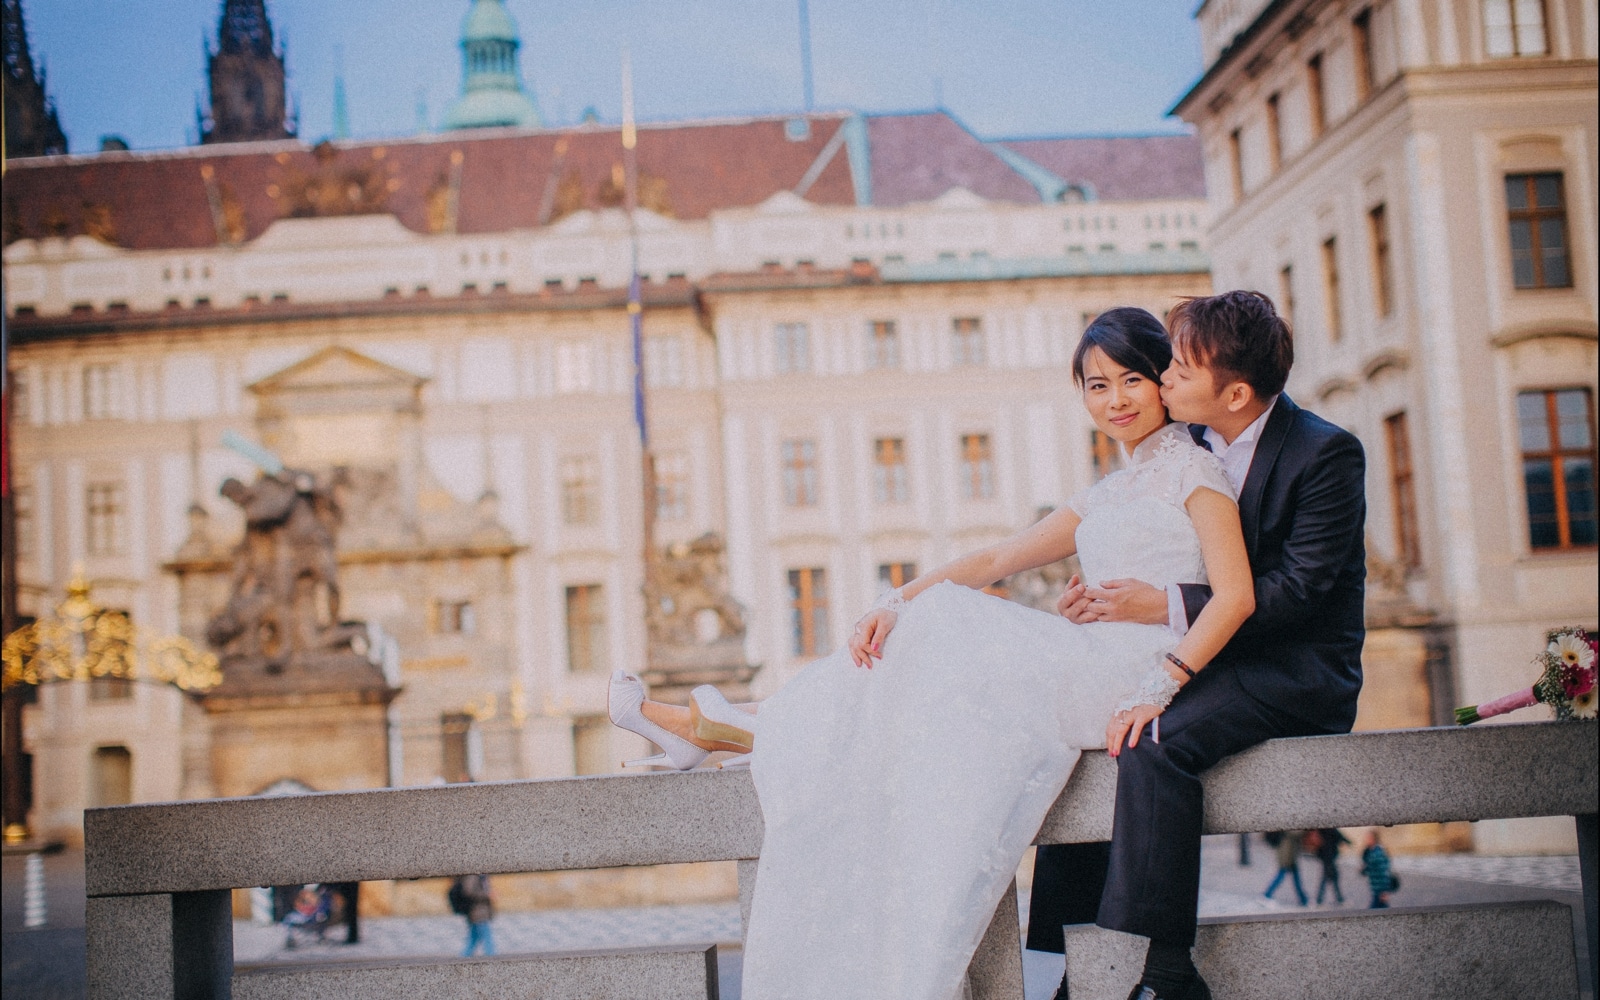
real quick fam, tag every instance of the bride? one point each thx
(901, 778)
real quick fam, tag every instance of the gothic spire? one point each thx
(248, 96)
(32, 127)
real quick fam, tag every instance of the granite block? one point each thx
(1474, 952)
(489, 828)
(1377, 778)
(130, 950)
(688, 973)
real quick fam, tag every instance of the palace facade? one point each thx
(857, 342)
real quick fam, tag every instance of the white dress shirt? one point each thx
(1236, 459)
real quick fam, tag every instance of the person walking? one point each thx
(471, 896)
(1288, 848)
(1329, 841)
(1380, 877)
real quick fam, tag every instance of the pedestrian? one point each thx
(1329, 841)
(1381, 879)
(1288, 848)
(472, 897)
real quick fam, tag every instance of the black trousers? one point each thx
(1148, 882)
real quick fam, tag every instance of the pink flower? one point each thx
(1577, 681)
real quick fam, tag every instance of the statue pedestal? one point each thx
(321, 720)
(674, 671)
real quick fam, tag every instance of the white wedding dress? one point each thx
(898, 801)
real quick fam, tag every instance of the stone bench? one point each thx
(159, 877)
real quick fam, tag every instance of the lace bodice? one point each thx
(1135, 525)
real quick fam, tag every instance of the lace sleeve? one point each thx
(1079, 502)
(1204, 469)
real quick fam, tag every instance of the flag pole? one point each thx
(630, 163)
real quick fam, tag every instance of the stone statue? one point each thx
(696, 629)
(284, 594)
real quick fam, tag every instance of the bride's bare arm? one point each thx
(1048, 540)
(1216, 521)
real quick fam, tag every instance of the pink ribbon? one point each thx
(1510, 703)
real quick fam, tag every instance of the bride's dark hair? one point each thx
(1131, 337)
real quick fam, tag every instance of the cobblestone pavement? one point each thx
(47, 963)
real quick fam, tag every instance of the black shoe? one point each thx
(1061, 991)
(1196, 990)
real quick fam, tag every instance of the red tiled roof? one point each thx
(180, 199)
(1123, 168)
(921, 156)
(160, 200)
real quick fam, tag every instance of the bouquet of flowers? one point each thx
(1566, 682)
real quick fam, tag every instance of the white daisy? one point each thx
(1584, 705)
(1572, 651)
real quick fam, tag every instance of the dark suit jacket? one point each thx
(1303, 509)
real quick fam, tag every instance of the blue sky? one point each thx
(1005, 67)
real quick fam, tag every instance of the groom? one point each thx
(1293, 669)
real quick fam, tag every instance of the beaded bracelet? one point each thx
(1173, 657)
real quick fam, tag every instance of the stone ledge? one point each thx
(687, 973)
(1372, 778)
(1475, 952)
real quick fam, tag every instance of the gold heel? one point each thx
(718, 732)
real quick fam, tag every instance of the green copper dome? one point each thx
(491, 85)
(488, 20)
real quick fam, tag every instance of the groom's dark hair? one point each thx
(1129, 336)
(1239, 336)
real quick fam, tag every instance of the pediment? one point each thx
(337, 369)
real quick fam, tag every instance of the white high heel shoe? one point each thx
(623, 705)
(716, 718)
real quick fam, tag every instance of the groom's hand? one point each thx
(1125, 601)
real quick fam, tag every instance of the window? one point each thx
(663, 362)
(1361, 49)
(1557, 431)
(1402, 485)
(110, 689)
(453, 617)
(1316, 95)
(808, 611)
(1514, 28)
(101, 398)
(107, 520)
(591, 744)
(460, 747)
(1274, 134)
(891, 575)
(21, 397)
(22, 517)
(1236, 163)
(883, 344)
(574, 367)
(1104, 455)
(966, 341)
(580, 487)
(800, 473)
(586, 629)
(672, 486)
(889, 470)
(112, 781)
(1382, 263)
(1330, 288)
(1286, 294)
(791, 348)
(1536, 210)
(977, 467)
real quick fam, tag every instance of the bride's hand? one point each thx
(1129, 724)
(866, 642)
